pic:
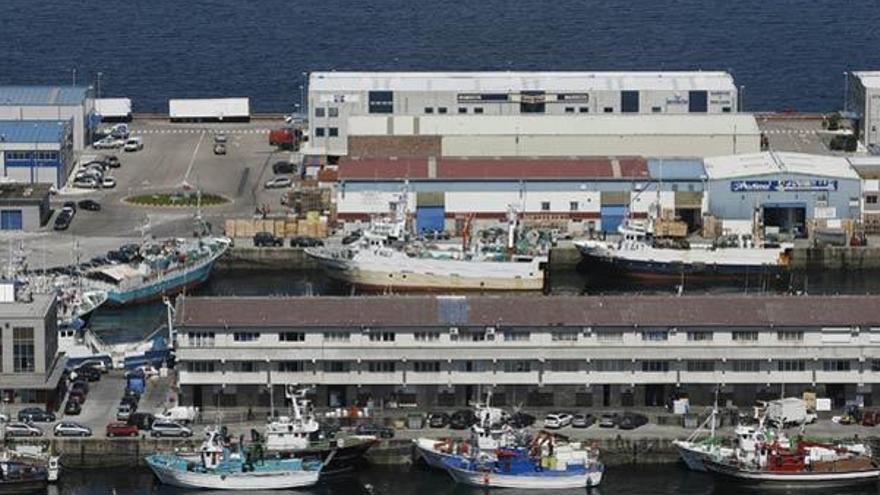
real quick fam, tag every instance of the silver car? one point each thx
(71, 429)
(169, 429)
(279, 183)
(19, 429)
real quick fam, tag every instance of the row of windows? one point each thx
(29, 155)
(328, 132)
(331, 112)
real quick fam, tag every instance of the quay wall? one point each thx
(836, 258)
(262, 258)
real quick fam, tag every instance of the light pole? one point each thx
(99, 83)
(74, 76)
(742, 98)
(302, 98)
(845, 92)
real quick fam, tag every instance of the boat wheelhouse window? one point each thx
(246, 336)
(426, 366)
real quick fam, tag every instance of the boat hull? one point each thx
(794, 480)
(426, 451)
(161, 287)
(695, 459)
(234, 481)
(553, 481)
(348, 456)
(23, 487)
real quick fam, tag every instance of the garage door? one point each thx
(612, 217)
(429, 219)
(10, 220)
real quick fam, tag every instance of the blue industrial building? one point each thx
(36, 151)
(53, 103)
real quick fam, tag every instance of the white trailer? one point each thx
(113, 109)
(788, 411)
(209, 109)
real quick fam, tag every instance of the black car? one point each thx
(144, 421)
(62, 221)
(69, 205)
(73, 407)
(438, 420)
(305, 241)
(130, 401)
(88, 374)
(80, 385)
(631, 421)
(265, 239)
(133, 395)
(35, 414)
(375, 430)
(462, 420)
(520, 419)
(90, 205)
(279, 168)
(111, 161)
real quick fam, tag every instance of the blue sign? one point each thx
(787, 185)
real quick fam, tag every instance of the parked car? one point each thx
(89, 205)
(95, 363)
(582, 420)
(438, 420)
(73, 407)
(554, 421)
(112, 161)
(305, 241)
(265, 239)
(124, 411)
(279, 183)
(80, 385)
(86, 183)
(35, 415)
(133, 144)
(95, 165)
(108, 143)
(22, 430)
(108, 183)
(78, 395)
(220, 138)
(219, 149)
(631, 421)
(69, 206)
(130, 401)
(169, 429)
(88, 173)
(87, 373)
(463, 419)
(71, 429)
(279, 168)
(520, 419)
(375, 430)
(62, 221)
(144, 421)
(608, 420)
(4, 418)
(120, 429)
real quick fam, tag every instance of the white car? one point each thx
(220, 138)
(89, 173)
(19, 429)
(86, 183)
(148, 370)
(108, 143)
(71, 429)
(133, 144)
(4, 418)
(555, 421)
(169, 429)
(94, 363)
(123, 412)
(108, 183)
(279, 183)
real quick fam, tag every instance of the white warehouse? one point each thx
(334, 97)
(866, 104)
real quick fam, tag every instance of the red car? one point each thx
(120, 429)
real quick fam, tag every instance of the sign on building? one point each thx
(786, 185)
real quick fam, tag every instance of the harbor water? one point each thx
(415, 480)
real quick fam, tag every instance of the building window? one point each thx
(200, 339)
(611, 365)
(381, 101)
(629, 101)
(429, 109)
(745, 336)
(292, 336)
(608, 109)
(336, 366)
(656, 109)
(565, 365)
(699, 336)
(333, 112)
(698, 102)
(545, 206)
(381, 366)
(609, 337)
(564, 336)
(426, 336)
(531, 102)
(23, 350)
(573, 205)
(725, 109)
(291, 366)
(319, 112)
(655, 366)
(517, 366)
(875, 365)
(584, 109)
(441, 110)
(244, 366)
(871, 200)
(513, 336)
(655, 336)
(835, 365)
(791, 365)
(473, 366)
(337, 336)
(462, 109)
(746, 365)
(246, 336)
(790, 336)
(381, 336)
(333, 131)
(700, 366)
(569, 109)
(478, 109)
(319, 132)
(426, 366)
(200, 366)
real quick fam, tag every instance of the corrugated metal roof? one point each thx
(721, 311)
(769, 163)
(676, 169)
(43, 95)
(869, 78)
(868, 167)
(494, 168)
(503, 82)
(32, 131)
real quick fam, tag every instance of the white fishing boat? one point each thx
(217, 468)
(385, 259)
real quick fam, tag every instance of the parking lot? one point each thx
(796, 134)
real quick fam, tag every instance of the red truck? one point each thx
(286, 138)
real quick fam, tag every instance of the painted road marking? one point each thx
(192, 160)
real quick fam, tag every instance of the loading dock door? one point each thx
(429, 219)
(612, 217)
(790, 218)
(10, 220)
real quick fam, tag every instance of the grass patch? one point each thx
(176, 199)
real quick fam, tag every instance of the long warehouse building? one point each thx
(558, 351)
(335, 98)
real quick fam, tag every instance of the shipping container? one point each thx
(113, 109)
(209, 109)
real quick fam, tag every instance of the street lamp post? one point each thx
(302, 98)
(99, 83)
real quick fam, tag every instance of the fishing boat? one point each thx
(158, 269)
(20, 477)
(76, 305)
(299, 434)
(386, 258)
(218, 468)
(639, 254)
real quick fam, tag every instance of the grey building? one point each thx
(53, 103)
(865, 103)
(560, 351)
(24, 206)
(30, 370)
(788, 191)
(336, 97)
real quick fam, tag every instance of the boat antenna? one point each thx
(714, 412)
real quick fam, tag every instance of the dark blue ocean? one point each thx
(788, 54)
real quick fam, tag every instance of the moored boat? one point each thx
(516, 468)
(22, 477)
